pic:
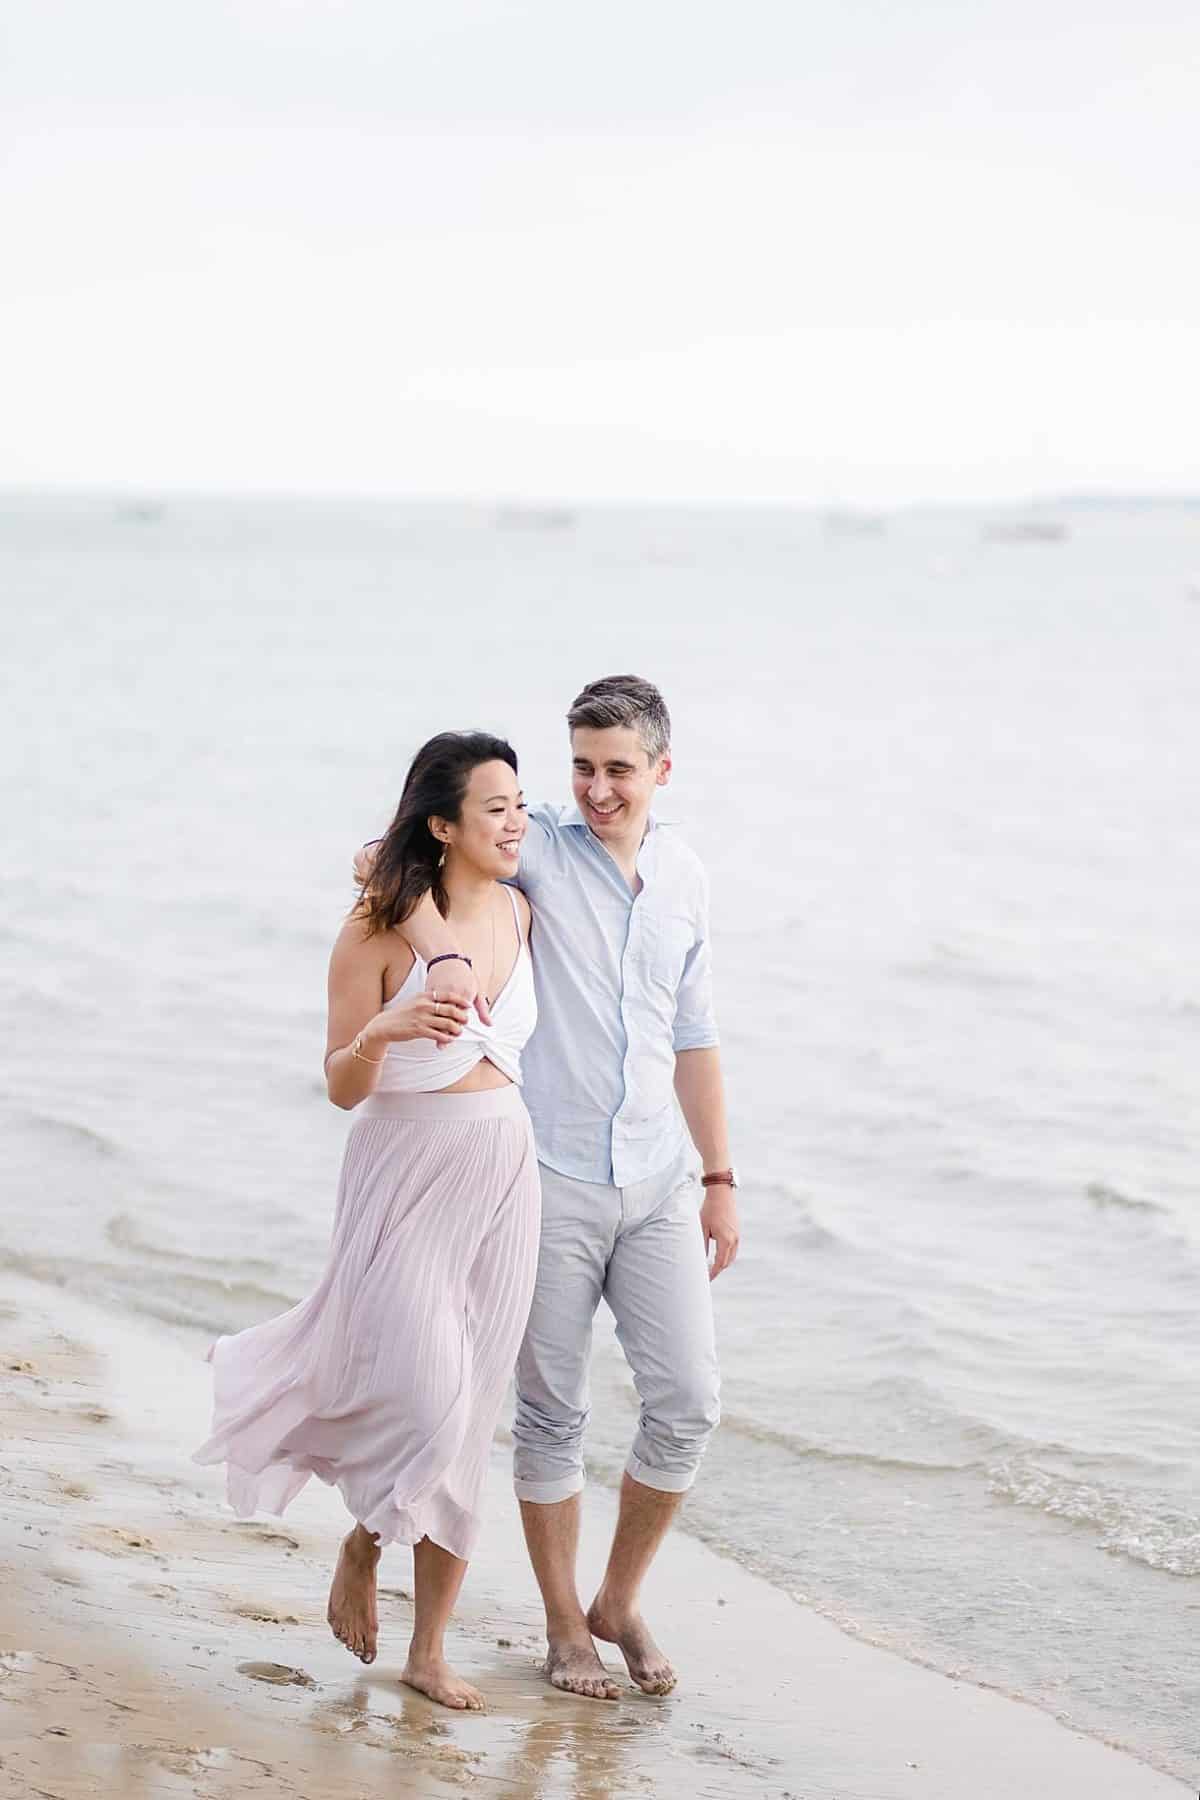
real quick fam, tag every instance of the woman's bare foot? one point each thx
(573, 1665)
(353, 1609)
(432, 1675)
(647, 1665)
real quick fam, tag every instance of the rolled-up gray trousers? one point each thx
(641, 1250)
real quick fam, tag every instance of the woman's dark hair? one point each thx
(407, 855)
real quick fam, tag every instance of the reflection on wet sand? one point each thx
(577, 1750)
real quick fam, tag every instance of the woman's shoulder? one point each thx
(355, 932)
(357, 943)
(524, 910)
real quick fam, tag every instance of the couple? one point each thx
(446, 1266)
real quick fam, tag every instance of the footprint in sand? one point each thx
(72, 1490)
(264, 1615)
(178, 1759)
(124, 1540)
(65, 1578)
(266, 1534)
(16, 1661)
(278, 1673)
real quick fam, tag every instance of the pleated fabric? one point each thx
(387, 1381)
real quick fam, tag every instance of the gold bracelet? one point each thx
(356, 1052)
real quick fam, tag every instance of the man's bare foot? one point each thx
(353, 1610)
(432, 1675)
(647, 1665)
(573, 1665)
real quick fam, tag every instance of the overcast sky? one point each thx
(812, 251)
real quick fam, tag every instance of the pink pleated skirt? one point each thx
(387, 1381)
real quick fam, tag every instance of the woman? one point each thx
(387, 1381)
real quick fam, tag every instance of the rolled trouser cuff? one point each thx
(667, 1481)
(546, 1493)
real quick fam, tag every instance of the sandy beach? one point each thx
(152, 1645)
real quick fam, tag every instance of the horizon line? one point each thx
(163, 494)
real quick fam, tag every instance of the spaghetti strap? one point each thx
(512, 895)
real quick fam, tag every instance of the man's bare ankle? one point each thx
(565, 1628)
(610, 1618)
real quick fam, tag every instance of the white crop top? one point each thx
(417, 1066)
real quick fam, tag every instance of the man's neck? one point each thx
(625, 852)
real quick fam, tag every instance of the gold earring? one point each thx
(442, 858)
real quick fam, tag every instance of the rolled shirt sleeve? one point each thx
(695, 1020)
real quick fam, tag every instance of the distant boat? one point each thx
(142, 512)
(535, 518)
(1023, 531)
(844, 521)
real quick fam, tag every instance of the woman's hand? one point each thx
(436, 1015)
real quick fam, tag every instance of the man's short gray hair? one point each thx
(625, 700)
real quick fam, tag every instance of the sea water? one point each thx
(945, 784)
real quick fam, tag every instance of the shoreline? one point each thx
(151, 1644)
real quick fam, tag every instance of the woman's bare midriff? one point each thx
(484, 1075)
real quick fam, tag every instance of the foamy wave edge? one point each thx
(1161, 1537)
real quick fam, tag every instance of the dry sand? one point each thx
(151, 1645)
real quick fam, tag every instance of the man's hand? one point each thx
(453, 981)
(719, 1223)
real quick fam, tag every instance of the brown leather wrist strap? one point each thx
(722, 1177)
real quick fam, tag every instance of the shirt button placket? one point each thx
(619, 1170)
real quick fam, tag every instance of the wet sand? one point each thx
(152, 1645)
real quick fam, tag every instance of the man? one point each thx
(625, 1028)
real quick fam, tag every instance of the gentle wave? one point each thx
(201, 1303)
(802, 1450)
(72, 1132)
(123, 1234)
(1103, 1197)
(1130, 1525)
(962, 968)
(979, 1446)
(801, 1230)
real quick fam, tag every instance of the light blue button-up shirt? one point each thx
(623, 983)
